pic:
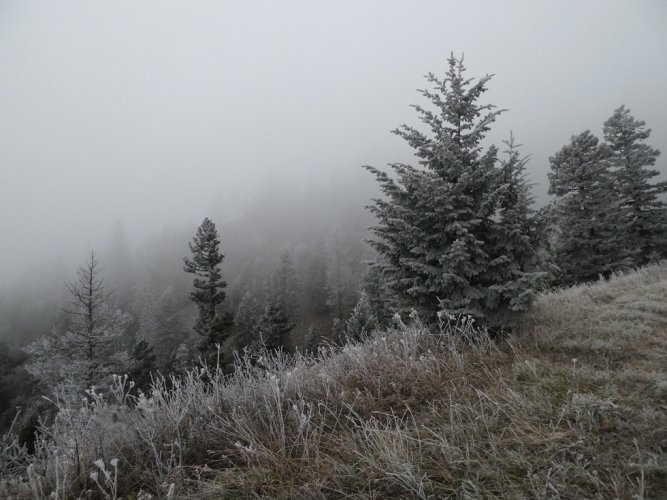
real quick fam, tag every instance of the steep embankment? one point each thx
(574, 407)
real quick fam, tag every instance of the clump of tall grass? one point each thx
(275, 413)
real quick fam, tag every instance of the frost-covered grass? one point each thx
(575, 406)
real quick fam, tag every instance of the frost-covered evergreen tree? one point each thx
(273, 327)
(208, 290)
(589, 242)
(643, 214)
(438, 231)
(362, 321)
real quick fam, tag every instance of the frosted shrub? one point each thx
(272, 412)
(106, 484)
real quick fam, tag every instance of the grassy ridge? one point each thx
(575, 406)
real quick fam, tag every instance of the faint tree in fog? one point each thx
(379, 296)
(336, 283)
(159, 322)
(337, 331)
(170, 332)
(311, 340)
(143, 365)
(362, 321)
(643, 214)
(283, 288)
(273, 327)
(247, 314)
(343, 275)
(315, 292)
(121, 270)
(145, 310)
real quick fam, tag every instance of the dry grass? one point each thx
(573, 407)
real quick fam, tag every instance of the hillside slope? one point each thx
(575, 406)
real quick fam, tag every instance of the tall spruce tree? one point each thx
(208, 290)
(437, 230)
(643, 214)
(586, 209)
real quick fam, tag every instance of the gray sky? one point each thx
(154, 112)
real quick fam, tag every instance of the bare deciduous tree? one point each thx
(89, 350)
(88, 296)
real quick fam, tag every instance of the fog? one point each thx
(157, 114)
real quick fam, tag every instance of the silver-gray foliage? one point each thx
(441, 226)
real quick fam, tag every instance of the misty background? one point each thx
(134, 120)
